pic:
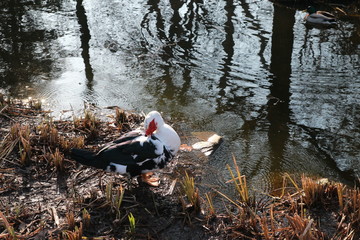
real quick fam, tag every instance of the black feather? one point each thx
(87, 158)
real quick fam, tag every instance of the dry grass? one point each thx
(67, 143)
(35, 104)
(7, 146)
(86, 218)
(303, 228)
(57, 158)
(76, 121)
(11, 233)
(70, 220)
(296, 214)
(54, 136)
(120, 117)
(211, 209)
(191, 192)
(44, 130)
(351, 208)
(76, 234)
(24, 145)
(19, 136)
(313, 192)
(48, 133)
(91, 123)
(340, 193)
(240, 183)
(114, 198)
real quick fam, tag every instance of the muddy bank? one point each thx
(46, 195)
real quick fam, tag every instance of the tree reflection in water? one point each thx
(285, 97)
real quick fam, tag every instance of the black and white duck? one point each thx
(137, 152)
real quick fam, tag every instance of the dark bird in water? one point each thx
(319, 17)
(137, 152)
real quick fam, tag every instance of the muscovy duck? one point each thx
(137, 152)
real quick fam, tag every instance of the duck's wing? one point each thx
(326, 14)
(320, 19)
(124, 140)
(316, 16)
(130, 151)
(129, 136)
(145, 156)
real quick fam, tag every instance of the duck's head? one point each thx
(152, 122)
(310, 9)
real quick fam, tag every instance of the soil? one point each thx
(47, 195)
(39, 199)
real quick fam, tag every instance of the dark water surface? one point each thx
(286, 97)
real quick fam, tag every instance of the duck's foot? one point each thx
(152, 181)
(186, 148)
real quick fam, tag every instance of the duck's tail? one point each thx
(85, 157)
(331, 21)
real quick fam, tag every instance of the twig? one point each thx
(3, 114)
(30, 224)
(156, 210)
(306, 229)
(55, 216)
(30, 110)
(172, 187)
(4, 108)
(9, 228)
(7, 170)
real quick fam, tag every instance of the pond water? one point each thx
(285, 96)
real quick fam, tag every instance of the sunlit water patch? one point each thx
(284, 96)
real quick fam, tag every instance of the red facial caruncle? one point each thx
(151, 128)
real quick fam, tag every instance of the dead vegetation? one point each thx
(45, 195)
(312, 209)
